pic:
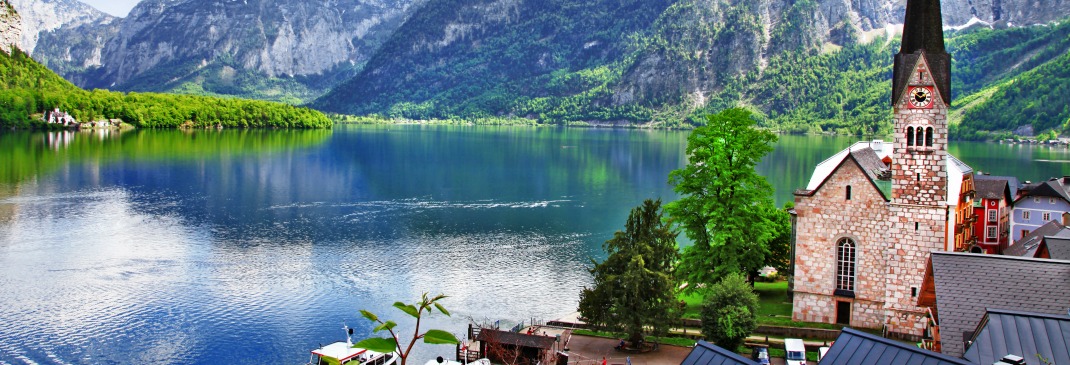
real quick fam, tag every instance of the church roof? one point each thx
(923, 35)
(1004, 332)
(870, 156)
(961, 297)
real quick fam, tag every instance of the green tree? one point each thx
(726, 208)
(728, 316)
(780, 247)
(634, 288)
(416, 310)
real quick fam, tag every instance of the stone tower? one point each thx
(921, 94)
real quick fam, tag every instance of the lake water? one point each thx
(210, 247)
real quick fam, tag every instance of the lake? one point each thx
(237, 246)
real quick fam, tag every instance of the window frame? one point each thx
(846, 275)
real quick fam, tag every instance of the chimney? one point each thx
(1010, 360)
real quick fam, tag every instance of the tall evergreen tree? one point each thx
(634, 288)
(726, 208)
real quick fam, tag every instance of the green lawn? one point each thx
(774, 308)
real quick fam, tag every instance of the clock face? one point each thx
(920, 97)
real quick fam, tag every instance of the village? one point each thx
(919, 257)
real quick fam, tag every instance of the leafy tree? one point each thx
(729, 314)
(634, 288)
(726, 208)
(415, 310)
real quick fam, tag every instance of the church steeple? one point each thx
(923, 34)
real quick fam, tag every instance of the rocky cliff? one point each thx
(272, 37)
(39, 16)
(536, 62)
(10, 27)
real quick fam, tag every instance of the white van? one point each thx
(796, 352)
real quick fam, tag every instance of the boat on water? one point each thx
(339, 353)
(441, 361)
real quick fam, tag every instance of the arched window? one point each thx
(848, 192)
(920, 133)
(910, 136)
(928, 137)
(845, 266)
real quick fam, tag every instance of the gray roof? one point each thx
(1027, 246)
(875, 169)
(1012, 182)
(992, 189)
(1056, 188)
(1058, 247)
(706, 353)
(854, 347)
(967, 284)
(1023, 334)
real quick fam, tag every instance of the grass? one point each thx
(676, 341)
(774, 308)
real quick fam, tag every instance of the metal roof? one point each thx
(855, 347)
(967, 284)
(706, 353)
(1024, 334)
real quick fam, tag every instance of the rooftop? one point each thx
(961, 299)
(1024, 334)
(1027, 246)
(706, 353)
(855, 347)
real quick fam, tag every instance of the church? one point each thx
(871, 214)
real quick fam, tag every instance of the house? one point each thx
(871, 214)
(992, 207)
(515, 348)
(1039, 204)
(855, 347)
(705, 353)
(1030, 336)
(1032, 245)
(59, 117)
(958, 299)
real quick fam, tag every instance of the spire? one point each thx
(923, 33)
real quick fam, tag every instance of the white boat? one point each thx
(339, 353)
(441, 361)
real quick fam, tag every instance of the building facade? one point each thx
(992, 207)
(870, 216)
(1039, 204)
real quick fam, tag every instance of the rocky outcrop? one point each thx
(39, 16)
(10, 27)
(276, 38)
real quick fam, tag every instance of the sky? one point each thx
(114, 7)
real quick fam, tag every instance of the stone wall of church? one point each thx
(919, 206)
(824, 218)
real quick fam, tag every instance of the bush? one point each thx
(729, 315)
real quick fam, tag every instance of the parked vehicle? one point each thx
(796, 352)
(760, 354)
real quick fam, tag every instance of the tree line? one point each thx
(28, 88)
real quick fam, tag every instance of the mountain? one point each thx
(615, 62)
(10, 26)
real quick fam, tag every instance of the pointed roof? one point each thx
(923, 34)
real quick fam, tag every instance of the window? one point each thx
(910, 136)
(928, 137)
(1046, 216)
(992, 215)
(1025, 215)
(845, 265)
(920, 136)
(991, 233)
(848, 192)
(1036, 199)
(1051, 200)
